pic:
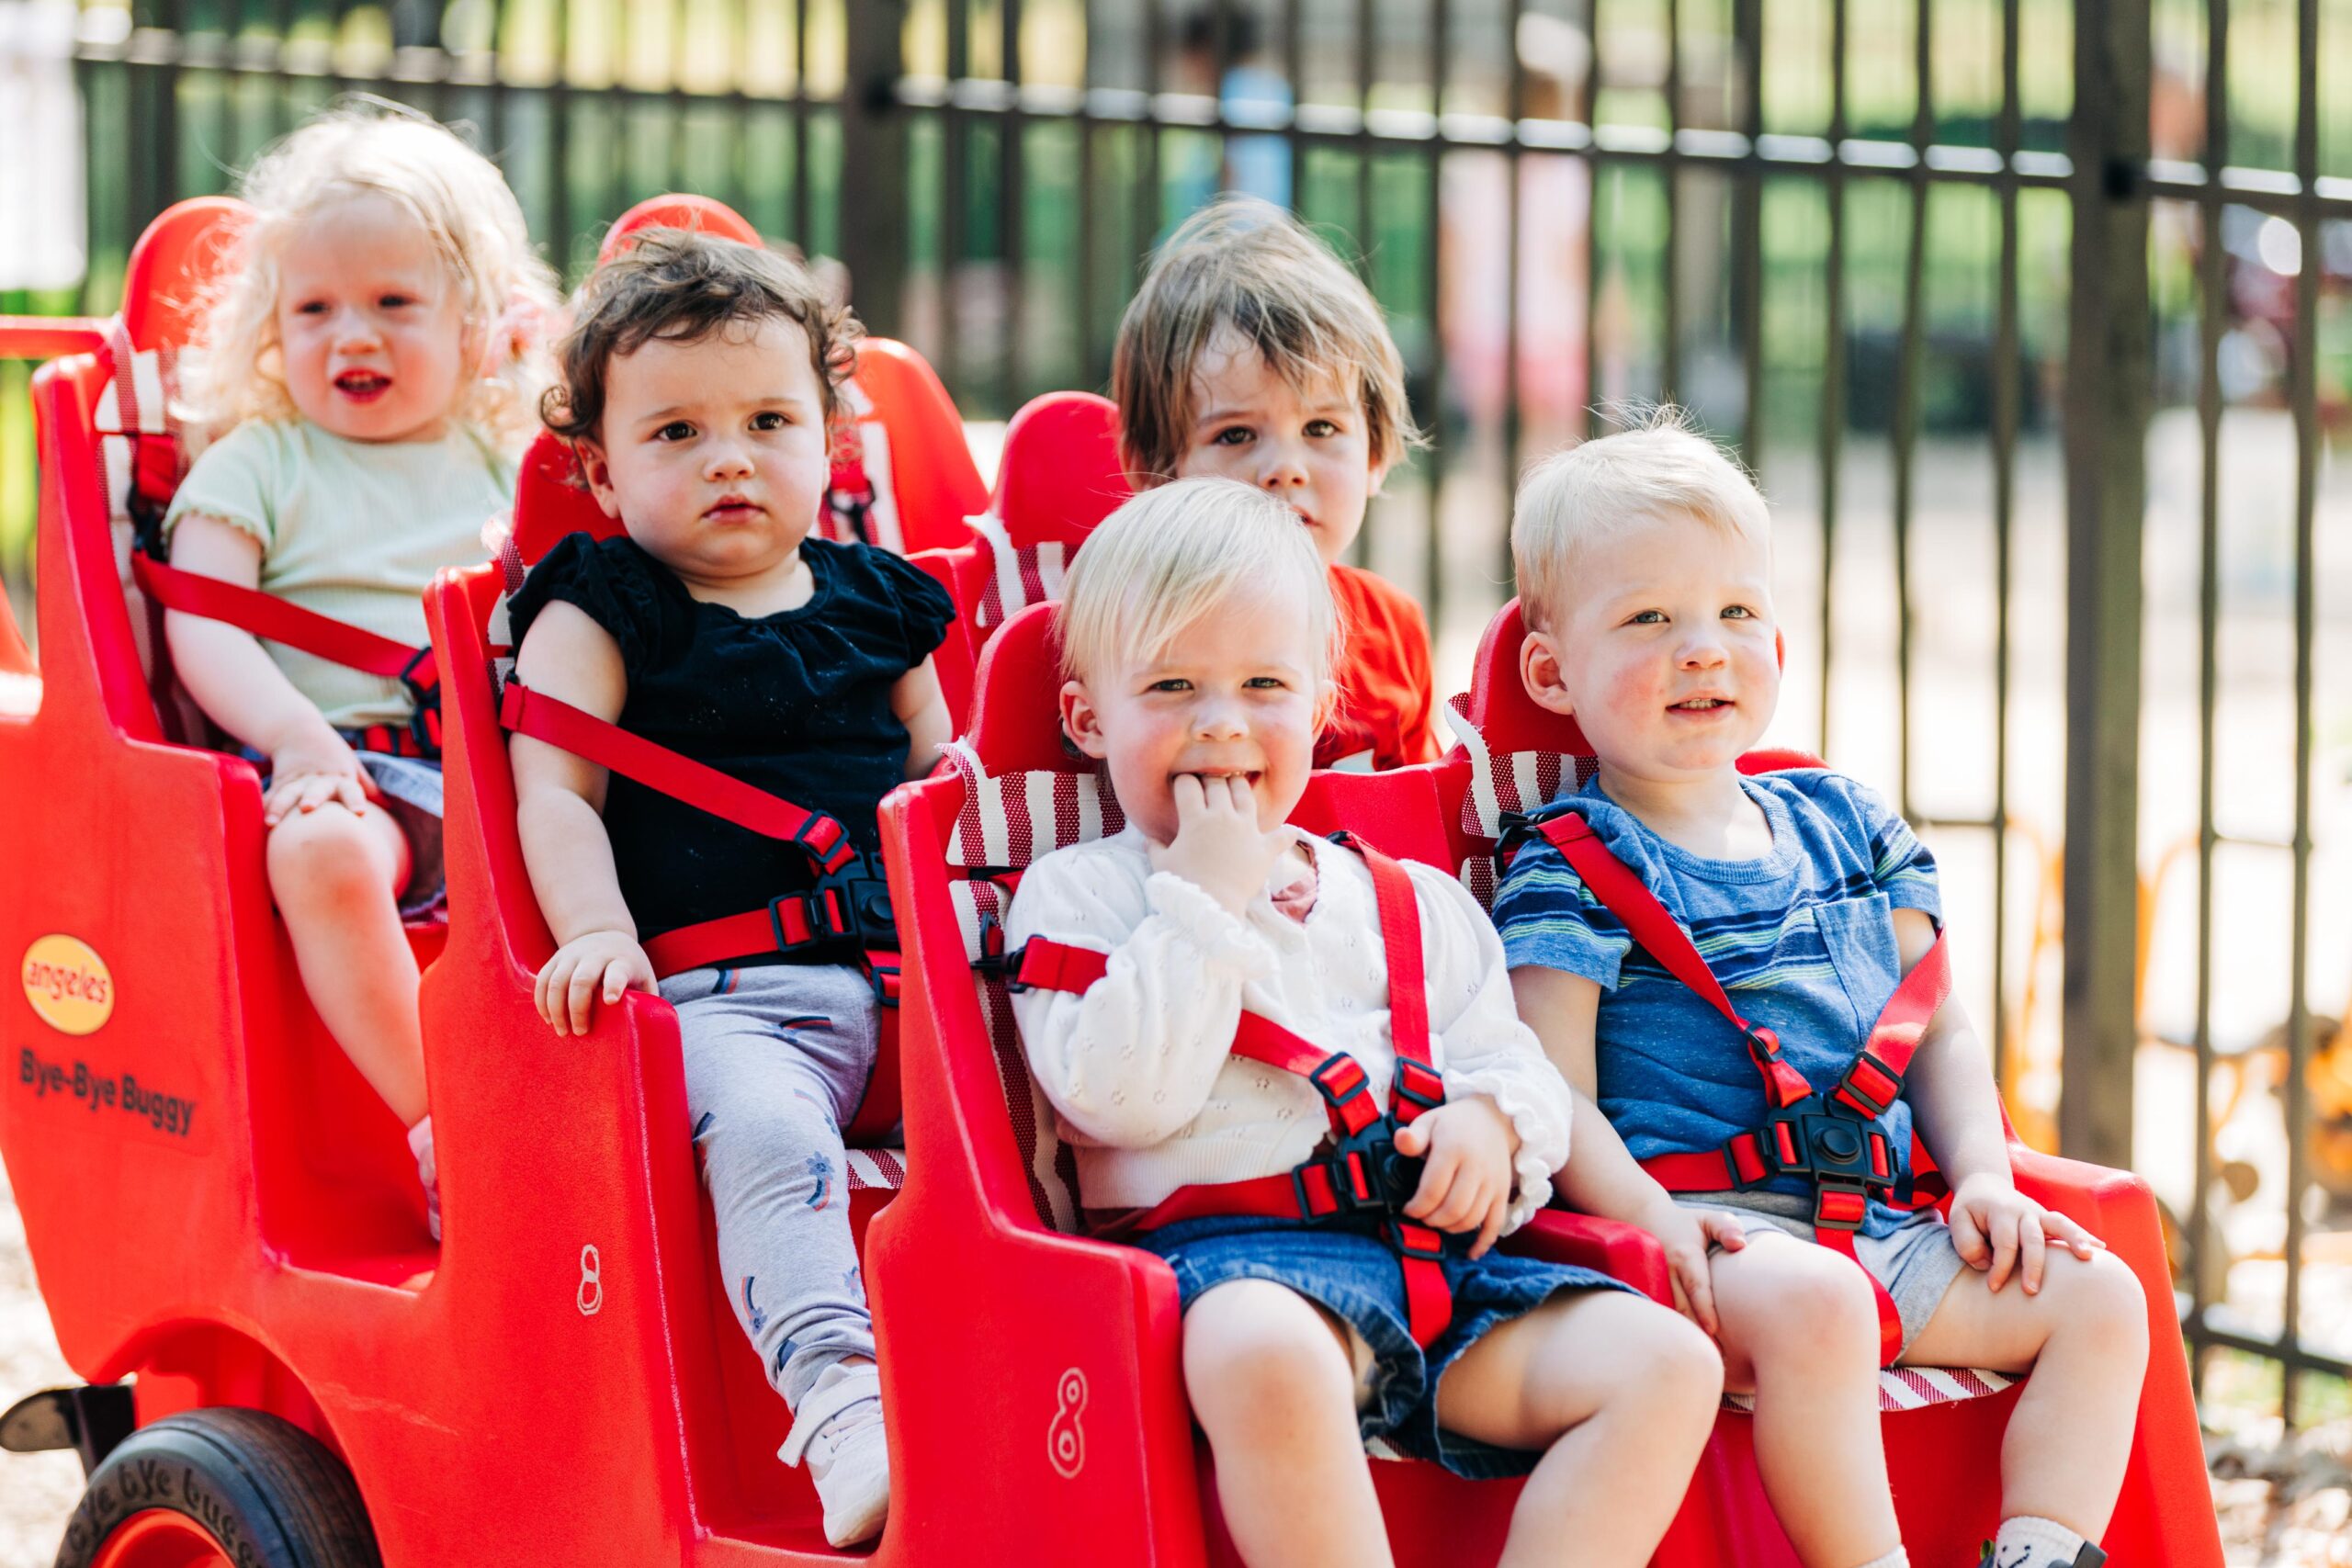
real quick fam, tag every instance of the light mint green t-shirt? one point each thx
(351, 529)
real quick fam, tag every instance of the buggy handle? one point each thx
(50, 337)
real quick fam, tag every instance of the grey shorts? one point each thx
(1916, 1261)
(410, 789)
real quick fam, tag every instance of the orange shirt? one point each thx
(1384, 677)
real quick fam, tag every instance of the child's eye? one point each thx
(1173, 683)
(769, 419)
(1232, 435)
(312, 308)
(394, 301)
(1321, 427)
(1267, 684)
(1647, 618)
(1739, 612)
(676, 430)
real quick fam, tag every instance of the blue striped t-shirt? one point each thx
(1802, 940)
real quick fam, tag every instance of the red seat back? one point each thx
(911, 445)
(174, 264)
(699, 214)
(1060, 473)
(550, 501)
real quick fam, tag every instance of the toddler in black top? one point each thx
(699, 384)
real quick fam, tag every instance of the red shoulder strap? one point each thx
(560, 724)
(1662, 937)
(1400, 942)
(267, 615)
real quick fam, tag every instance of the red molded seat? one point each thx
(1944, 1422)
(1058, 475)
(1091, 1416)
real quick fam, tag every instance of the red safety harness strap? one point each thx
(572, 729)
(267, 615)
(1840, 1136)
(1346, 1182)
(1662, 937)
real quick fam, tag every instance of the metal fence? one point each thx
(1964, 279)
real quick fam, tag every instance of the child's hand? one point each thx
(308, 773)
(1467, 1145)
(609, 962)
(1997, 1228)
(1218, 846)
(1686, 1234)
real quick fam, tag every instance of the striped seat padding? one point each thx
(1522, 781)
(864, 437)
(1512, 783)
(1007, 822)
(1915, 1388)
(876, 1170)
(1023, 574)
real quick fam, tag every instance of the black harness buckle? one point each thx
(1367, 1175)
(1810, 1139)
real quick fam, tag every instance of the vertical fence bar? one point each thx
(1906, 393)
(2303, 382)
(1589, 112)
(1294, 68)
(2212, 281)
(1433, 540)
(2110, 358)
(1833, 355)
(559, 145)
(873, 142)
(955, 150)
(1514, 110)
(800, 121)
(1367, 23)
(1011, 147)
(1669, 331)
(1094, 366)
(2007, 373)
(1148, 198)
(1747, 227)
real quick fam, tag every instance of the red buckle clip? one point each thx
(1416, 1241)
(1870, 1086)
(1422, 1088)
(1340, 1078)
(826, 842)
(1837, 1207)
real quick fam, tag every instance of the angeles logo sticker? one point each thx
(68, 984)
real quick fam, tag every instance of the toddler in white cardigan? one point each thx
(1236, 1004)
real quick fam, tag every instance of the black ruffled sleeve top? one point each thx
(797, 703)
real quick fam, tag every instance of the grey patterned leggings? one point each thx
(778, 1058)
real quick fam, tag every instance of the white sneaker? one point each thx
(838, 1429)
(428, 1173)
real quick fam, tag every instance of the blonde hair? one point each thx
(366, 146)
(1659, 469)
(1244, 266)
(1152, 569)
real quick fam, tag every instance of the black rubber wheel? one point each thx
(260, 1491)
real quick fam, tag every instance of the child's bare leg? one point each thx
(1269, 1379)
(2084, 1338)
(1619, 1392)
(1800, 1327)
(335, 876)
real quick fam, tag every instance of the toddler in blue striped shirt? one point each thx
(1644, 576)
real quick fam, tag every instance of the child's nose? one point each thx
(354, 329)
(1704, 651)
(1217, 718)
(1281, 466)
(727, 459)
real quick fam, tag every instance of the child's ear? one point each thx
(1379, 475)
(1081, 723)
(1781, 648)
(599, 475)
(1539, 672)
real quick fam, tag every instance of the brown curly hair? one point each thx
(683, 287)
